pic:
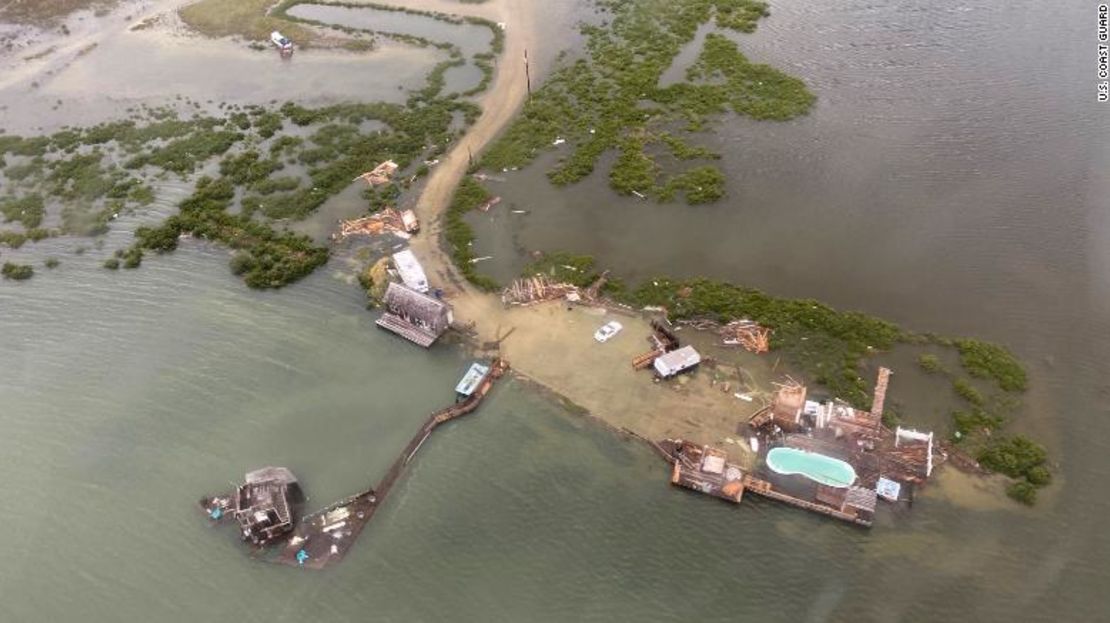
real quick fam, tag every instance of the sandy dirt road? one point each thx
(500, 103)
(548, 343)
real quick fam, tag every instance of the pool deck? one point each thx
(882, 459)
(703, 469)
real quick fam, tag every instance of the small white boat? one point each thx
(281, 42)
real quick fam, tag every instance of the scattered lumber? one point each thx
(380, 174)
(489, 204)
(536, 289)
(748, 334)
(388, 220)
(595, 289)
(644, 361)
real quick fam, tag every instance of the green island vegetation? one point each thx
(274, 165)
(334, 154)
(17, 272)
(51, 262)
(613, 100)
(460, 236)
(374, 279)
(249, 19)
(28, 210)
(565, 268)
(930, 363)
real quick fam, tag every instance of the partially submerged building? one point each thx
(265, 506)
(410, 270)
(413, 315)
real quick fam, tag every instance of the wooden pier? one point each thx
(879, 398)
(324, 537)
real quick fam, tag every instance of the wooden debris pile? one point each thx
(594, 290)
(749, 334)
(380, 174)
(537, 289)
(388, 220)
(540, 288)
(365, 226)
(489, 204)
(662, 338)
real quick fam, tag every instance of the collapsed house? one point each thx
(264, 505)
(415, 316)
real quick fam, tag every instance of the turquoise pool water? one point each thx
(817, 467)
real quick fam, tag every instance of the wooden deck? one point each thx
(694, 469)
(411, 332)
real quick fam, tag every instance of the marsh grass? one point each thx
(611, 99)
(460, 236)
(17, 272)
(249, 19)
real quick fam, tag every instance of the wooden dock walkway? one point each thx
(879, 398)
(324, 537)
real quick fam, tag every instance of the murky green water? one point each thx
(947, 179)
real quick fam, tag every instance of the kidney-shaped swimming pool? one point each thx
(817, 467)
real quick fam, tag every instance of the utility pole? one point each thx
(527, 74)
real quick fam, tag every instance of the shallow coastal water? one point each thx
(136, 393)
(471, 39)
(93, 83)
(923, 188)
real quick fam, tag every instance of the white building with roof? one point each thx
(412, 273)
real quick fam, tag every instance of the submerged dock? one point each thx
(324, 537)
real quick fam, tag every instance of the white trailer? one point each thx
(677, 361)
(412, 273)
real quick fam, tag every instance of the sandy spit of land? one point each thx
(549, 343)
